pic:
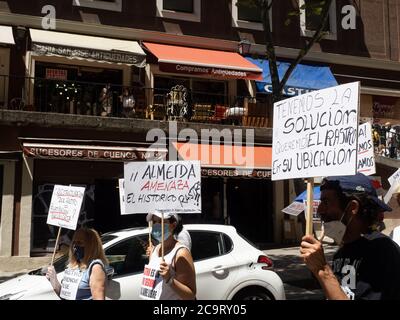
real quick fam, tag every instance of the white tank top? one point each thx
(162, 291)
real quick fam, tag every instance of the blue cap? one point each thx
(359, 183)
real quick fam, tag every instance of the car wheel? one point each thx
(253, 293)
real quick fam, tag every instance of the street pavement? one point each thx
(298, 281)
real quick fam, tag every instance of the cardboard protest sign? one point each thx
(366, 157)
(150, 288)
(294, 209)
(315, 204)
(394, 177)
(394, 181)
(394, 188)
(65, 206)
(315, 134)
(70, 283)
(173, 186)
(121, 188)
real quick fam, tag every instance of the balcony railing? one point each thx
(387, 141)
(114, 100)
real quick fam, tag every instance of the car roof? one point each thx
(206, 227)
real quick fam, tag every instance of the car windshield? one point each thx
(61, 262)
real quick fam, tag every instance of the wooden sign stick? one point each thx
(150, 227)
(162, 235)
(55, 247)
(310, 205)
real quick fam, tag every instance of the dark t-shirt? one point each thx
(369, 268)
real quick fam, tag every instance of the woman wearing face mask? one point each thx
(85, 276)
(174, 277)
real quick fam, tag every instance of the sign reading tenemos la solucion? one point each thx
(315, 134)
(65, 206)
(172, 186)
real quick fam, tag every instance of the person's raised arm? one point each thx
(313, 255)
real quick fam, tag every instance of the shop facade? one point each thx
(69, 73)
(42, 163)
(199, 85)
(235, 192)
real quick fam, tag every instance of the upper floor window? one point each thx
(189, 10)
(248, 13)
(112, 5)
(247, 16)
(310, 20)
(178, 5)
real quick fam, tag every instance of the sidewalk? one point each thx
(11, 267)
(298, 281)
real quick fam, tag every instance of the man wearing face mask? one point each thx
(173, 276)
(367, 263)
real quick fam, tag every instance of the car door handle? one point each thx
(219, 270)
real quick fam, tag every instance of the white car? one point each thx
(228, 267)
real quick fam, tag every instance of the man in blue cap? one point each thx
(367, 264)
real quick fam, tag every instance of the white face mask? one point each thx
(336, 229)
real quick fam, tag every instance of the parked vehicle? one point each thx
(228, 267)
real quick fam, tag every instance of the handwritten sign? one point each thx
(121, 187)
(366, 158)
(65, 206)
(294, 209)
(70, 283)
(169, 185)
(394, 177)
(394, 188)
(315, 134)
(316, 217)
(150, 288)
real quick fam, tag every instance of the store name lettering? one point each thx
(265, 174)
(41, 49)
(288, 91)
(76, 153)
(212, 71)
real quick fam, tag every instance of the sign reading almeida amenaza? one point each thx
(315, 134)
(172, 186)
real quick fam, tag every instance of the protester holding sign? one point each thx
(367, 263)
(173, 276)
(85, 276)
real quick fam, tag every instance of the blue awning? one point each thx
(303, 196)
(304, 78)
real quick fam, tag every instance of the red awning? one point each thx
(221, 64)
(220, 156)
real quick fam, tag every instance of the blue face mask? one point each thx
(156, 231)
(79, 252)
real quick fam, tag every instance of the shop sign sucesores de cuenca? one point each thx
(93, 153)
